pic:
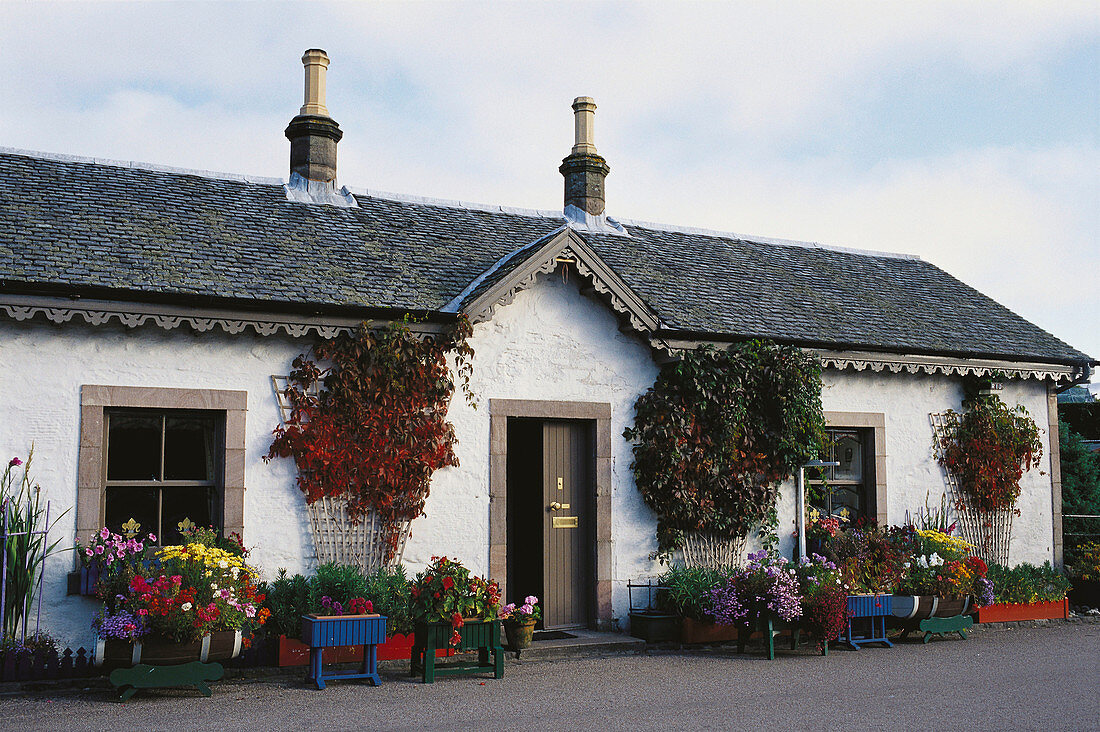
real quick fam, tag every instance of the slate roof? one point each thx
(75, 225)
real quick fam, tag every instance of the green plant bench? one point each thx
(482, 636)
(144, 676)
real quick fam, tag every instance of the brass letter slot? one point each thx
(565, 522)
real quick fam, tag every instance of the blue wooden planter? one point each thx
(867, 620)
(343, 630)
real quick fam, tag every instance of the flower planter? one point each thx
(482, 636)
(366, 631)
(1004, 612)
(398, 647)
(83, 581)
(867, 620)
(519, 634)
(1085, 592)
(701, 631)
(919, 607)
(155, 651)
(654, 627)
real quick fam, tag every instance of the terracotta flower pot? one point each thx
(519, 634)
(700, 631)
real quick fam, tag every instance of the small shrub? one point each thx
(1027, 583)
(341, 582)
(688, 590)
(288, 598)
(388, 589)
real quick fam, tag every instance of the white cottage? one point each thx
(144, 310)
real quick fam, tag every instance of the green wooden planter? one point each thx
(482, 636)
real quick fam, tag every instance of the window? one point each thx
(847, 490)
(158, 456)
(162, 471)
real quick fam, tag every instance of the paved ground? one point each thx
(1036, 678)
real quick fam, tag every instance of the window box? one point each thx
(1004, 612)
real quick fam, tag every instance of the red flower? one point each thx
(448, 583)
(456, 621)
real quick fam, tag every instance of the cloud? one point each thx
(731, 116)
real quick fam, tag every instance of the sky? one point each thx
(965, 133)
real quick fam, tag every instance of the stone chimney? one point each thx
(584, 169)
(313, 134)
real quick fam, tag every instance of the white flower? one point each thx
(907, 565)
(235, 571)
(186, 606)
(923, 562)
(935, 560)
(223, 564)
(213, 585)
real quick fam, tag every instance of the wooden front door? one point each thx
(567, 529)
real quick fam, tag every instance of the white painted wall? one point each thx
(549, 343)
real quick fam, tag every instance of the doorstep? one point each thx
(586, 643)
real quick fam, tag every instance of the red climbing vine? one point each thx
(368, 417)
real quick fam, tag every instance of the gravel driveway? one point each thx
(1034, 678)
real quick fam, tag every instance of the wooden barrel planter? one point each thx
(919, 607)
(157, 651)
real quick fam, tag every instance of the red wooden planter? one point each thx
(1000, 613)
(699, 631)
(292, 652)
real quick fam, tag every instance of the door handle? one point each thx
(555, 506)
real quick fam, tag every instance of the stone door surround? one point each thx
(599, 412)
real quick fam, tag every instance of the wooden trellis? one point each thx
(989, 532)
(715, 552)
(335, 537)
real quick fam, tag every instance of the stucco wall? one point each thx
(550, 343)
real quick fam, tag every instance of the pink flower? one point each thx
(143, 611)
(104, 533)
(527, 609)
(530, 600)
(153, 538)
(15, 462)
(249, 611)
(99, 549)
(89, 552)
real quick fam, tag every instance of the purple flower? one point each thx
(15, 462)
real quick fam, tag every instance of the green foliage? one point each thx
(1080, 482)
(447, 591)
(719, 431)
(1026, 583)
(388, 589)
(25, 512)
(288, 598)
(687, 590)
(341, 582)
(988, 447)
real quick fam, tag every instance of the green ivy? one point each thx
(719, 431)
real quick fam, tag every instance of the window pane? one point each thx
(185, 504)
(847, 501)
(849, 453)
(137, 505)
(187, 448)
(133, 447)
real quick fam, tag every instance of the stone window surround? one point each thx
(599, 412)
(94, 399)
(875, 421)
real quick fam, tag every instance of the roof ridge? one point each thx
(448, 203)
(770, 240)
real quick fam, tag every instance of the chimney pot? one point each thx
(584, 169)
(313, 134)
(316, 64)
